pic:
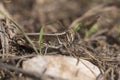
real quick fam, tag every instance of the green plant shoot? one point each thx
(40, 40)
(77, 27)
(91, 30)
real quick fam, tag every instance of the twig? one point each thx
(46, 34)
(30, 74)
(16, 57)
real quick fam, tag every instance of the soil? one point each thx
(98, 40)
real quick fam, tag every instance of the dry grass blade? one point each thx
(22, 32)
(25, 36)
(106, 73)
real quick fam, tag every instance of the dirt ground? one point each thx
(63, 34)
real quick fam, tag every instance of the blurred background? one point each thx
(56, 14)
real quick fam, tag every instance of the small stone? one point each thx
(62, 67)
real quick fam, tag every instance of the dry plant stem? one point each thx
(4, 40)
(94, 57)
(8, 55)
(46, 34)
(23, 33)
(88, 68)
(26, 36)
(17, 57)
(112, 74)
(106, 73)
(18, 70)
(91, 55)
